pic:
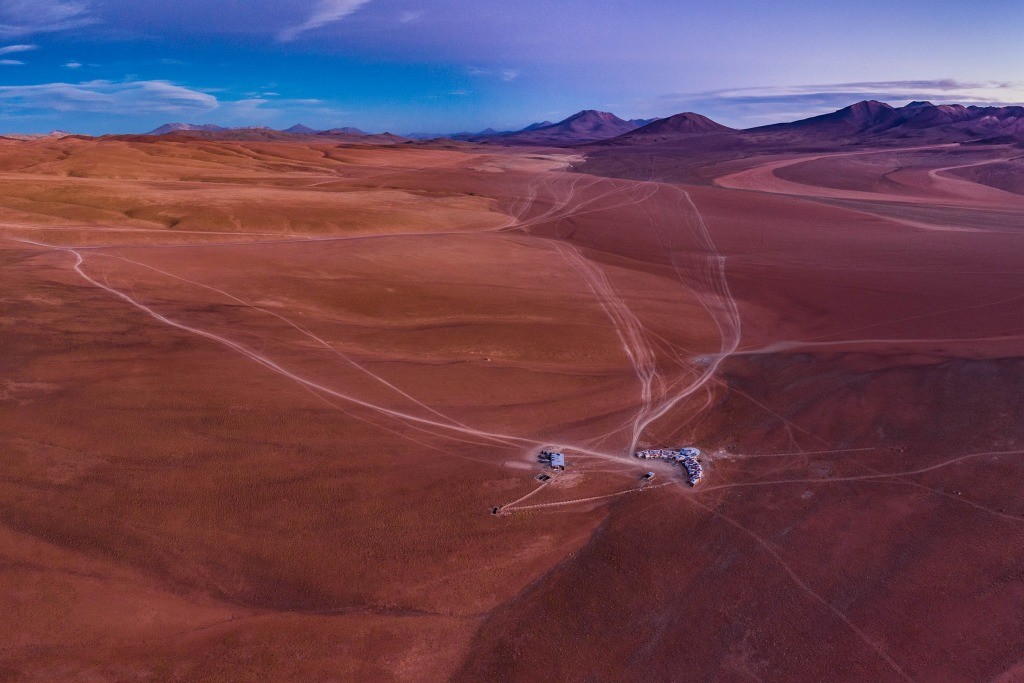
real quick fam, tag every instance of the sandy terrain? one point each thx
(258, 401)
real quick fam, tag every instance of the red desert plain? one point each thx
(272, 409)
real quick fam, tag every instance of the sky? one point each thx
(445, 66)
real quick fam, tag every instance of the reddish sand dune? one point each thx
(259, 402)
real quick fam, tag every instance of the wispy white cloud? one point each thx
(409, 16)
(12, 49)
(73, 65)
(11, 62)
(106, 97)
(158, 98)
(965, 92)
(277, 111)
(26, 17)
(327, 12)
(505, 74)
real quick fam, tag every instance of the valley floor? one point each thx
(258, 401)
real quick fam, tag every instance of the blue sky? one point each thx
(97, 66)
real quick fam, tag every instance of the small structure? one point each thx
(648, 476)
(558, 461)
(686, 456)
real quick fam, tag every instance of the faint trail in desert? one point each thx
(721, 305)
(745, 456)
(631, 331)
(560, 207)
(283, 239)
(277, 368)
(531, 494)
(712, 292)
(403, 435)
(576, 501)
(812, 341)
(161, 231)
(790, 425)
(412, 421)
(957, 498)
(859, 477)
(771, 550)
(783, 346)
(304, 331)
(627, 325)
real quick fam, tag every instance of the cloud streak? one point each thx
(943, 88)
(26, 17)
(148, 98)
(13, 49)
(106, 97)
(505, 74)
(327, 12)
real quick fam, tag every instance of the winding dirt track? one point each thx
(932, 186)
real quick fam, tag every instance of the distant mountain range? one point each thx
(297, 129)
(53, 135)
(867, 120)
(178, 127)
(919, 120)
(212, 131)
(585, 126)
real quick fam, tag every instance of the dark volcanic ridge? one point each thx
(585, 126)
(299, 129)
(683, 125)
(871, 118)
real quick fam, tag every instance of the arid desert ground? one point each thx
(272, 410)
